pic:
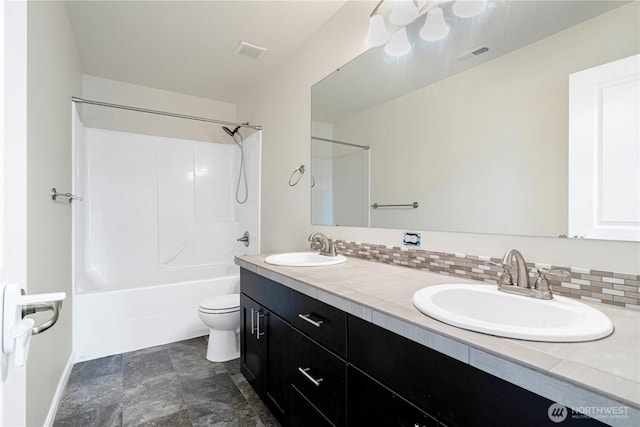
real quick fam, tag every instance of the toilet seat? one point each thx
(221, 304)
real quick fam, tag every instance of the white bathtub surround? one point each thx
(155, 235)
(115, 322)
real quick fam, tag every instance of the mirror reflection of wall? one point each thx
(484, 149)
(340, 192)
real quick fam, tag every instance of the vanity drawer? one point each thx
(454, 392)
(370, 403)
(271, 295)
(320, 377)
(303, 413)
(321, 322)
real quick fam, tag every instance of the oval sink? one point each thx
(483, 308)
(304, 259)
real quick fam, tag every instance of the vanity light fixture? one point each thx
(389, 18)
(403, 12)
(399, 43)
(378, 33)
(435, 28)
(469, 8)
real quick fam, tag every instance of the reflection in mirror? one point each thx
(481, 140)
(342, 162)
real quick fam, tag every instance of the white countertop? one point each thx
(597, 374)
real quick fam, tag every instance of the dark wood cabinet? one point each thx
(321, 322)
(265, 353)
(250, 353)
(453, 392)
(372, 404)
(314, 365)
(303, 413)
(320, 376)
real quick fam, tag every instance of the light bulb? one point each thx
(399, 44)
(378, 33)
(403, 12)
(468, 8)
(435, 28)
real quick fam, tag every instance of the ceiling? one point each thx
(187, 46)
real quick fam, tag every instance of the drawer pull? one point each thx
(307, 317)
(305, 372)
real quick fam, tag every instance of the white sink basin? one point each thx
(483, 308)
(304, 259)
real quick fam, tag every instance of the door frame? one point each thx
(13, 186)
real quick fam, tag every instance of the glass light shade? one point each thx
(468, 8)
(403, 12)
(399, 43)
(378, 33)
(435, 28)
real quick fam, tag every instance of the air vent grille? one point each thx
(473, 53)
(249, 50)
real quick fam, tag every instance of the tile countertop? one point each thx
(597, 374)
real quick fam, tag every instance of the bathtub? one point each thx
(114, 322)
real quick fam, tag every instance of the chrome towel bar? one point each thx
(413, 205)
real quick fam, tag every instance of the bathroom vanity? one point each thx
(342, 345)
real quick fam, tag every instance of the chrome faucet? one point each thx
(320, 242)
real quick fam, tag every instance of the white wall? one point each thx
(282, 105)
(53, 76)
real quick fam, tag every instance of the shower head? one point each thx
(231, 132)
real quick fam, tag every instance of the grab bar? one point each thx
(413, 205)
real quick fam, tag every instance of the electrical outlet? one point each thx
(411, 239)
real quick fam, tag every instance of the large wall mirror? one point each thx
(522, 121)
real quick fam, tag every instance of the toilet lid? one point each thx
(221, 302)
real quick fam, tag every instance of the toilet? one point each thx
(222, 315)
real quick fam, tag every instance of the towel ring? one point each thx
(300, 171)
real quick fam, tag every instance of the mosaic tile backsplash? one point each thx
(606, 287)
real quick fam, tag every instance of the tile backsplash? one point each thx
(606, 287)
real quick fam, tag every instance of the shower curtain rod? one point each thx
(162, 113)
(364, 147)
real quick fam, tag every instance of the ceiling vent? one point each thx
(473, 54)
(249, 50)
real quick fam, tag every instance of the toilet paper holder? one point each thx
(54, 306)
(17, 329)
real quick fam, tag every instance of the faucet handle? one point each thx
(542, 289)
(556, 272)
(506, 278)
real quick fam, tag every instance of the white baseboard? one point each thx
(57, 397)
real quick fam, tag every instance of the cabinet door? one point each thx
(370, 403)
(276, 343)
(250, 357)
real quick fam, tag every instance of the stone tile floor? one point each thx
(172, 385)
